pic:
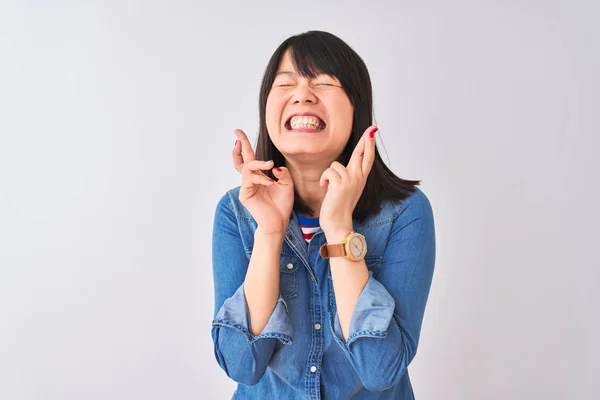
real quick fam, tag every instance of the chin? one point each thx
(299, 150)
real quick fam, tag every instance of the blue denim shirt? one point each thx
(301, 353)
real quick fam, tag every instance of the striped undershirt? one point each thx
(309, 226)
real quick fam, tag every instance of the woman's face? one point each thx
(325, 134)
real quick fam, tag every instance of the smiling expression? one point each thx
(307, 115)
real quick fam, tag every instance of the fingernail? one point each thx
(271, 180)
(278, 169)
(267, 162)
(372, 134)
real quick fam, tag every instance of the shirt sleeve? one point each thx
(386, 322)
(243, 356)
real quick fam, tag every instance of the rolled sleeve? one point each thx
(242, 355)
(372, 314)
(234, 314)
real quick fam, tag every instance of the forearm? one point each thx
(261, 284)
(349, 277)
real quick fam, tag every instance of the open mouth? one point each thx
(305, 122)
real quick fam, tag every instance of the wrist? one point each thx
(337, 234)
(269, 235)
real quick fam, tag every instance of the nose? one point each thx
(303, 94)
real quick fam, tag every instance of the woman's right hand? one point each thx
(269, 202)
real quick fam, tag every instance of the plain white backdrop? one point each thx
(116, 129)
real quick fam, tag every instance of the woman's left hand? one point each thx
(345, 186)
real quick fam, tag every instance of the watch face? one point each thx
(358, 246)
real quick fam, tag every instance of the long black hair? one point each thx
(318, 52)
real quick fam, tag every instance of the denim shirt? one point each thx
(301, 353)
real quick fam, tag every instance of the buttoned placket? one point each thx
(315, 356)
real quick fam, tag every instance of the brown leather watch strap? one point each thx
(332, 250)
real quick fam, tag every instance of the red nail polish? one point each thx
(271, 180)
(278, 169)
(372, 134)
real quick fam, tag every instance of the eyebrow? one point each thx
(293, 73)
(285, 73)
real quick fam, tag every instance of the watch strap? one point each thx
(333, 250)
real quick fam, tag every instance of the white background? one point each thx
(116, 127)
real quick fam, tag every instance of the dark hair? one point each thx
(318, 52)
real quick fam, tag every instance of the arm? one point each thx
(261, 285)
(250, 315)
(385, 325)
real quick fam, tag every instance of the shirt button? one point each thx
(290, 266)
(317, 326)
(313, 369)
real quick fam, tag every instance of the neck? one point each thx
(306, 181)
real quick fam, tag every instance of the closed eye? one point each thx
(328, 84)
(318, 84)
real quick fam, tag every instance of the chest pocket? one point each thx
(288, 275)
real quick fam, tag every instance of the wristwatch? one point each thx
(354, 247)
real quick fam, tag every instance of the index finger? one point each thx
(247, 154)
(363, 154)
(369, 154)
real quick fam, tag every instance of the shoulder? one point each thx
(417, 203)
(416, 206)
(230, 203)
(400, 212)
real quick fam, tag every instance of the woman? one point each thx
(322, 257)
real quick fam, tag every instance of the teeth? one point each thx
(306, 122)
(297, 125)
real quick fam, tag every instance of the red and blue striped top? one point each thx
(309, 226)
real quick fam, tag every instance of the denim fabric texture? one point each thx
(301, 354)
